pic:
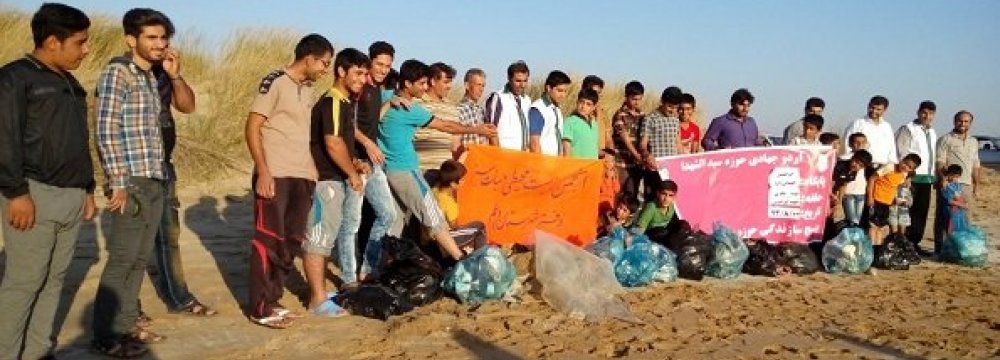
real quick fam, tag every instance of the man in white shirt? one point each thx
(918, 137)
(507, 109)
(880, 135)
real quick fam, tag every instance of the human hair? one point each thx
(588, 94)
(687, 99)
(927, 105)
(814, 120)
(878, 100)
(313, 44)
(474, 72)
(862, 156)
(628, 201)
(855, 136)
(953, 170)
(912, 158)
(671, 95)
(61, 21)
(450, 172)
(965, 112)
(412, 71)
(557, 78)
(138, 18)
(634, 88)
(590, 81)
(436, 70)
(348, 58)
(815, 102)
(518, 67)
(667, 185)
(828, 138)
(741, 95)
(381, 48)
(391, 81)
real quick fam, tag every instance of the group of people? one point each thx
(319, 159)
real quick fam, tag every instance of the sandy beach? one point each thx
(933, 311)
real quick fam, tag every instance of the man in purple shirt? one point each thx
(734, 129)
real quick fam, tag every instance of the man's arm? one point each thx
(903, 141)
(535, 124)
(941, 157)
(337, 149)
(183, 96)
(793, 130)
(12, 119)
(711, 140)
(453, 127)
(255, 143)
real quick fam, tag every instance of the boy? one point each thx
(899, 214)
(812, 124)
(830, 139)
(690, 132)
(951, 191)
(625, 138)
(660, 212)
(545, 119)
(469, 236)
(581, 132)
(619, 215)
(882, 194)
(855, 188)
(610, 186)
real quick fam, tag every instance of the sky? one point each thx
(784, 51)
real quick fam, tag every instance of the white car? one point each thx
(988, 143)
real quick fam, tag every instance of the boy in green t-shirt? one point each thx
(660, 212)
(580, 137)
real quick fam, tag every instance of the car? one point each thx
(990, 143)
(769, 140)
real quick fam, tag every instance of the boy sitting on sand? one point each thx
(469, 236)
(660, 212)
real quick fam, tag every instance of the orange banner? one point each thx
(515, 193)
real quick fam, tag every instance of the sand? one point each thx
(933, 311)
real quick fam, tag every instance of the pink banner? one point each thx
(781, 194)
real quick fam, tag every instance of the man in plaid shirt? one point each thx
(470, 113)
(661, 131)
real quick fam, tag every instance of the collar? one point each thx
(730, 116)
(917, 123)
(339, 95)
(547, 101)
(959, 136)
(878, 121)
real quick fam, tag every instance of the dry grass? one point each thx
(210, 142)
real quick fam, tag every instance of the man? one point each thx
(814, 106)
(132, 155)
(595, 83)
(690, 133)
(435, 99)
(46, 178)
(339, 191)
(507, 109)
(660, 137)
(470, 113)
(277, 135)
(957, 148)
(881, 139)
(734, 129)
(625, 135)
(403, 164)
(545, 119)
(174, 91)
(918, 137)
(376, 187)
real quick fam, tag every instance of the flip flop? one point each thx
(273, 322)
(329, 308)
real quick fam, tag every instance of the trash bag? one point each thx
(694, 250)
(892, 254)
(486, 274)
(411, 273)
(911, 253)
(966, 246)
(798, 258)
(577, 282)
(645, 262)
(730, 253)
(849, 252)
(373, 301)
(610, 247)
(762, 259)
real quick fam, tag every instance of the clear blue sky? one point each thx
(783, 51)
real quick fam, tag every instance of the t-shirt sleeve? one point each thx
(569, 133)
(419, 116)
(329, 118)
(535, 122)
(266, 99)
(646, 216)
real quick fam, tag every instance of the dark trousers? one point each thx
(650, 182)
(129, 245)
(629, 177)
(279, 230)
(918, 211)
(167, 271)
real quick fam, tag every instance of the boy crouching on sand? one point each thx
(882, 195)
(660, 212)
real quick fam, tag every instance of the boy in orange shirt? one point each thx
(882, 195)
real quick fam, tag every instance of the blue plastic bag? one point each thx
(645, 262)
(610, 247)
(486, 274)
(849, 252)
(730, 253)
(966, 246)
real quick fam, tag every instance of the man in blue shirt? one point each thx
(735, 129)
(402, 164)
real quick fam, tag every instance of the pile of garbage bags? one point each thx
(410, 272)
(636, 260)
(373, 301)
(896, 253)
(486, 274)
(767, 259)
(693, 249)
(849, 252)
(730, 252)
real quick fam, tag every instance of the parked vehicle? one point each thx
(990, 143)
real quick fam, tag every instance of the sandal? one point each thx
(329, 308)
(143, 321)
(273, 322)
(196, 308)
(121, 349)
(144, 336)
(286, 313)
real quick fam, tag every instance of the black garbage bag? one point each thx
(910, 251)
(694, 250)
(762, 260)
(892, 255)
(373, 301)
(410, 272)
(675, 232)
(798, 258)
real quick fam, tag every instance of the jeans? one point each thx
(129, 247)
(854, 205)
(379, 196)
(37, 260)
(169, 280)
(334, 221)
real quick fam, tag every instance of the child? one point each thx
(610, 186)
(619, 215)
(882, 194)
(855, 189)
(899, 214)
(660, 212)
(830, 139)
(580, 134)
(952, 191)
(469, 236)
(812, 124)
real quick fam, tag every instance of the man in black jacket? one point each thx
(46, 177)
